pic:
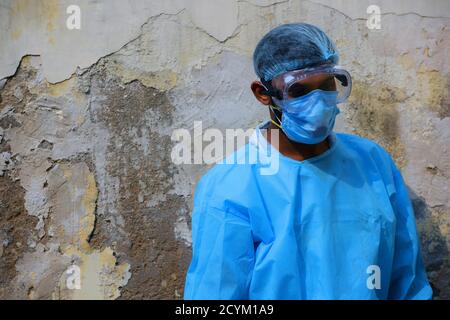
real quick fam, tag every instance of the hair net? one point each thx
(292, 46)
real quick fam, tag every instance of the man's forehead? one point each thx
(279, 81)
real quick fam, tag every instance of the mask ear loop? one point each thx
(275, 114)
(273, 107)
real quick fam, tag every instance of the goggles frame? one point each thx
(287, 79)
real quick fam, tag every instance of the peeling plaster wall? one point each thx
(86, 118)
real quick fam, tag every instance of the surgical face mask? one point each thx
(309, 118)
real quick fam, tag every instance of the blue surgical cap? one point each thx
(292, 46)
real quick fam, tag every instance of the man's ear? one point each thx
(261, 93)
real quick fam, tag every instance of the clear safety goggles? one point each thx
(296, 83)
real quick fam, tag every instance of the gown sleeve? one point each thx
(408, 277)
(222, 251)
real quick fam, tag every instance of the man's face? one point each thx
(302, 87)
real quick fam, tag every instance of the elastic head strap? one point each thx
(269, 90)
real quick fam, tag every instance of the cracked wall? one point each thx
(86, 118)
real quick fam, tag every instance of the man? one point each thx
(334, 222)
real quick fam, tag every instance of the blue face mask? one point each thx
(310, 118)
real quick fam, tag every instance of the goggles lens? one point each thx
(297, 83)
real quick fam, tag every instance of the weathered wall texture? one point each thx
(86, 118)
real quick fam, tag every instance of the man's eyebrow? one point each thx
(306, 82)
(299, 84)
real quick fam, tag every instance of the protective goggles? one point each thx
(296, 83)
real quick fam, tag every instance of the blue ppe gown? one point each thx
(339, 225)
